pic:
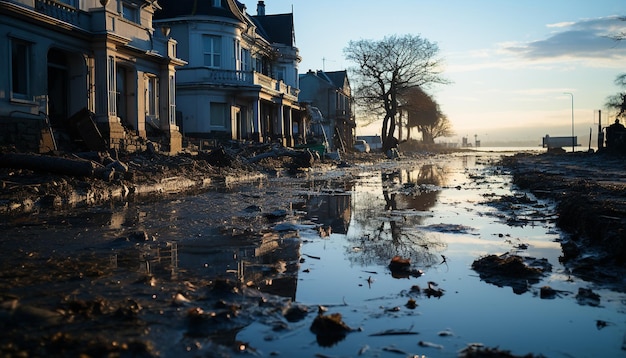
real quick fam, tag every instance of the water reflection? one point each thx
(390, 227)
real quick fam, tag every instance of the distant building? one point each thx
(241, 80)
(331, 93)
(103, 60)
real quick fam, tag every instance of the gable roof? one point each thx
(337, 78)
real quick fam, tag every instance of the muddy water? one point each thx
(139, 274)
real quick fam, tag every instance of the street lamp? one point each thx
(573, 141)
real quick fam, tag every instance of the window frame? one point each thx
(152, 96)
(217, 110)
(213, 52)
(21, 70)
(129, 11)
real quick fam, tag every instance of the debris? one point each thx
(587, 297)
(395, 332)
(511, 270)
(547, 292)
(329, 329)
(432, 291)
(429, 345)
(478, 350)
(401, 268)
(445, 333)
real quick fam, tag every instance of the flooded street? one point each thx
(144, 275)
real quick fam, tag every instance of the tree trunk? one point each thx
(400, 125)
(58, 165)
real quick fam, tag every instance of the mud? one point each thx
(590, 196)
(94, 307)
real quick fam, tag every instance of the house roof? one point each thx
(179, 8)
(277, 28)
(337, 78)
(274, 28)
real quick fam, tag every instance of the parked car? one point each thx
(361, 146)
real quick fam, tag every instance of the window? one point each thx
(130, 12)
(217, 3)
(212, 50)
(112, 88)
(218, 114)
(152, 94)
(245, 59)
(172, 100)
(20, 63)
(237, 54)
(280, 73)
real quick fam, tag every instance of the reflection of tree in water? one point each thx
(391, 230)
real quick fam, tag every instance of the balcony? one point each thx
(211, 76)
(58, 10)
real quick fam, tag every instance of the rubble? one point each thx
(33, 182)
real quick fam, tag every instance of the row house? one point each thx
(92, 70)
(330, 92)
(241, 80)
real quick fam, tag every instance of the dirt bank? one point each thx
(588, 189)
(44, 184)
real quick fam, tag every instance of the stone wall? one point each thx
(26, 134)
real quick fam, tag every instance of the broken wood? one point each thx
(65, 166)
(305, 158)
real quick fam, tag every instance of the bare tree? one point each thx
(618, 101)
(621, 35)
(386, 68)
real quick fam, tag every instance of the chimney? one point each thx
(260, 8)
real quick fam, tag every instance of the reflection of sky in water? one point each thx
(473, 309)
(421, 212)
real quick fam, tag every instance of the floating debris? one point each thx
(329, 329)
(395, 332)
(586, 297)
(478, 350)
(511, 270)
(429, 345)
(401, 268)
(432, 290)
(411, 304)
(547, 292)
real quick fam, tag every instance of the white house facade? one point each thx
(241, 80)
(66, 62)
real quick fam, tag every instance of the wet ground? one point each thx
(265, 268)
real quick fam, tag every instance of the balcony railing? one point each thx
(233, 78)
(58, 10)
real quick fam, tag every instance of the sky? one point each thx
(510, 63)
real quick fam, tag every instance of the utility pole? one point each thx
(573, 140)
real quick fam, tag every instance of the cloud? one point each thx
(588, 39)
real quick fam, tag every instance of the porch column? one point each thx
(288, 127)
(280, 123)
(256, 121)
(105, 94)
(167, 115)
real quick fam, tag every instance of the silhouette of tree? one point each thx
(618, 101)
(424, 114)
(387, 68)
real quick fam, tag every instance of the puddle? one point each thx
(331, 244)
